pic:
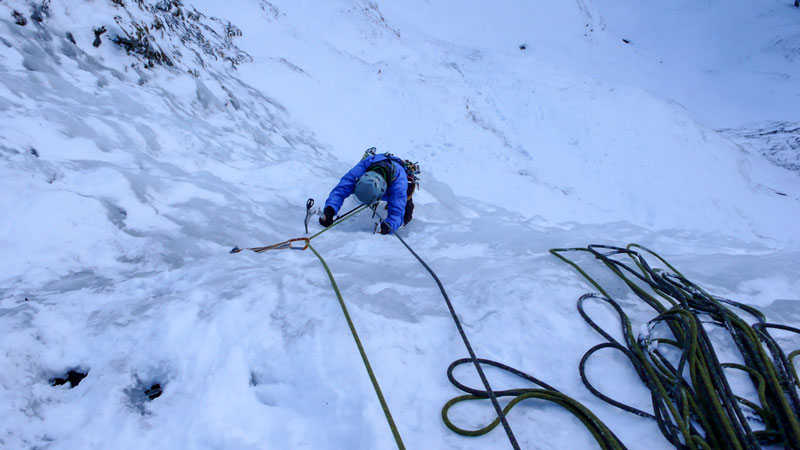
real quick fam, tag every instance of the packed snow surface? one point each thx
(537, 124)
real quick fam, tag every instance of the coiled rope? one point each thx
(693, 404)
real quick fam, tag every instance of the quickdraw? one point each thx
(279, 246)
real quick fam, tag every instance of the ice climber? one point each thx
(377, 177)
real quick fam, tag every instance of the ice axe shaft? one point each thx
(309, 204)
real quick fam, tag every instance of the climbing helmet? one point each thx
(370, 187)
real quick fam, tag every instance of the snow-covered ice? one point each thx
(123, 188)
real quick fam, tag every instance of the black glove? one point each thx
(385, 228)
(409, 212)
(328, 219)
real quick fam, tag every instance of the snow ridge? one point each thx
(779, 142)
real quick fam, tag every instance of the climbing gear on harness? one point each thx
(373, 379)
(309, 204)
(412, 172)
(370, 188)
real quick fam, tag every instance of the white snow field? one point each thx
(123, 187)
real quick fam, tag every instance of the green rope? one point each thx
(599, 431)
(367, 365)
(363, 353)
(602, 434)
(701, 411)
(693, 404)
(791, 357)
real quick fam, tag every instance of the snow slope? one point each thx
(123, 188)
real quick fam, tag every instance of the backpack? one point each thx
(411, 168)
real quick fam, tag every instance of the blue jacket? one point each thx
(396, 192)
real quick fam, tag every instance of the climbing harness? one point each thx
(307, 245)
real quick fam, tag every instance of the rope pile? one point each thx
(693, 403)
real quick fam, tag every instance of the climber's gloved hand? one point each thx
(328, 219)
(385, 228)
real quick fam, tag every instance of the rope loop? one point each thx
(693, 403)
